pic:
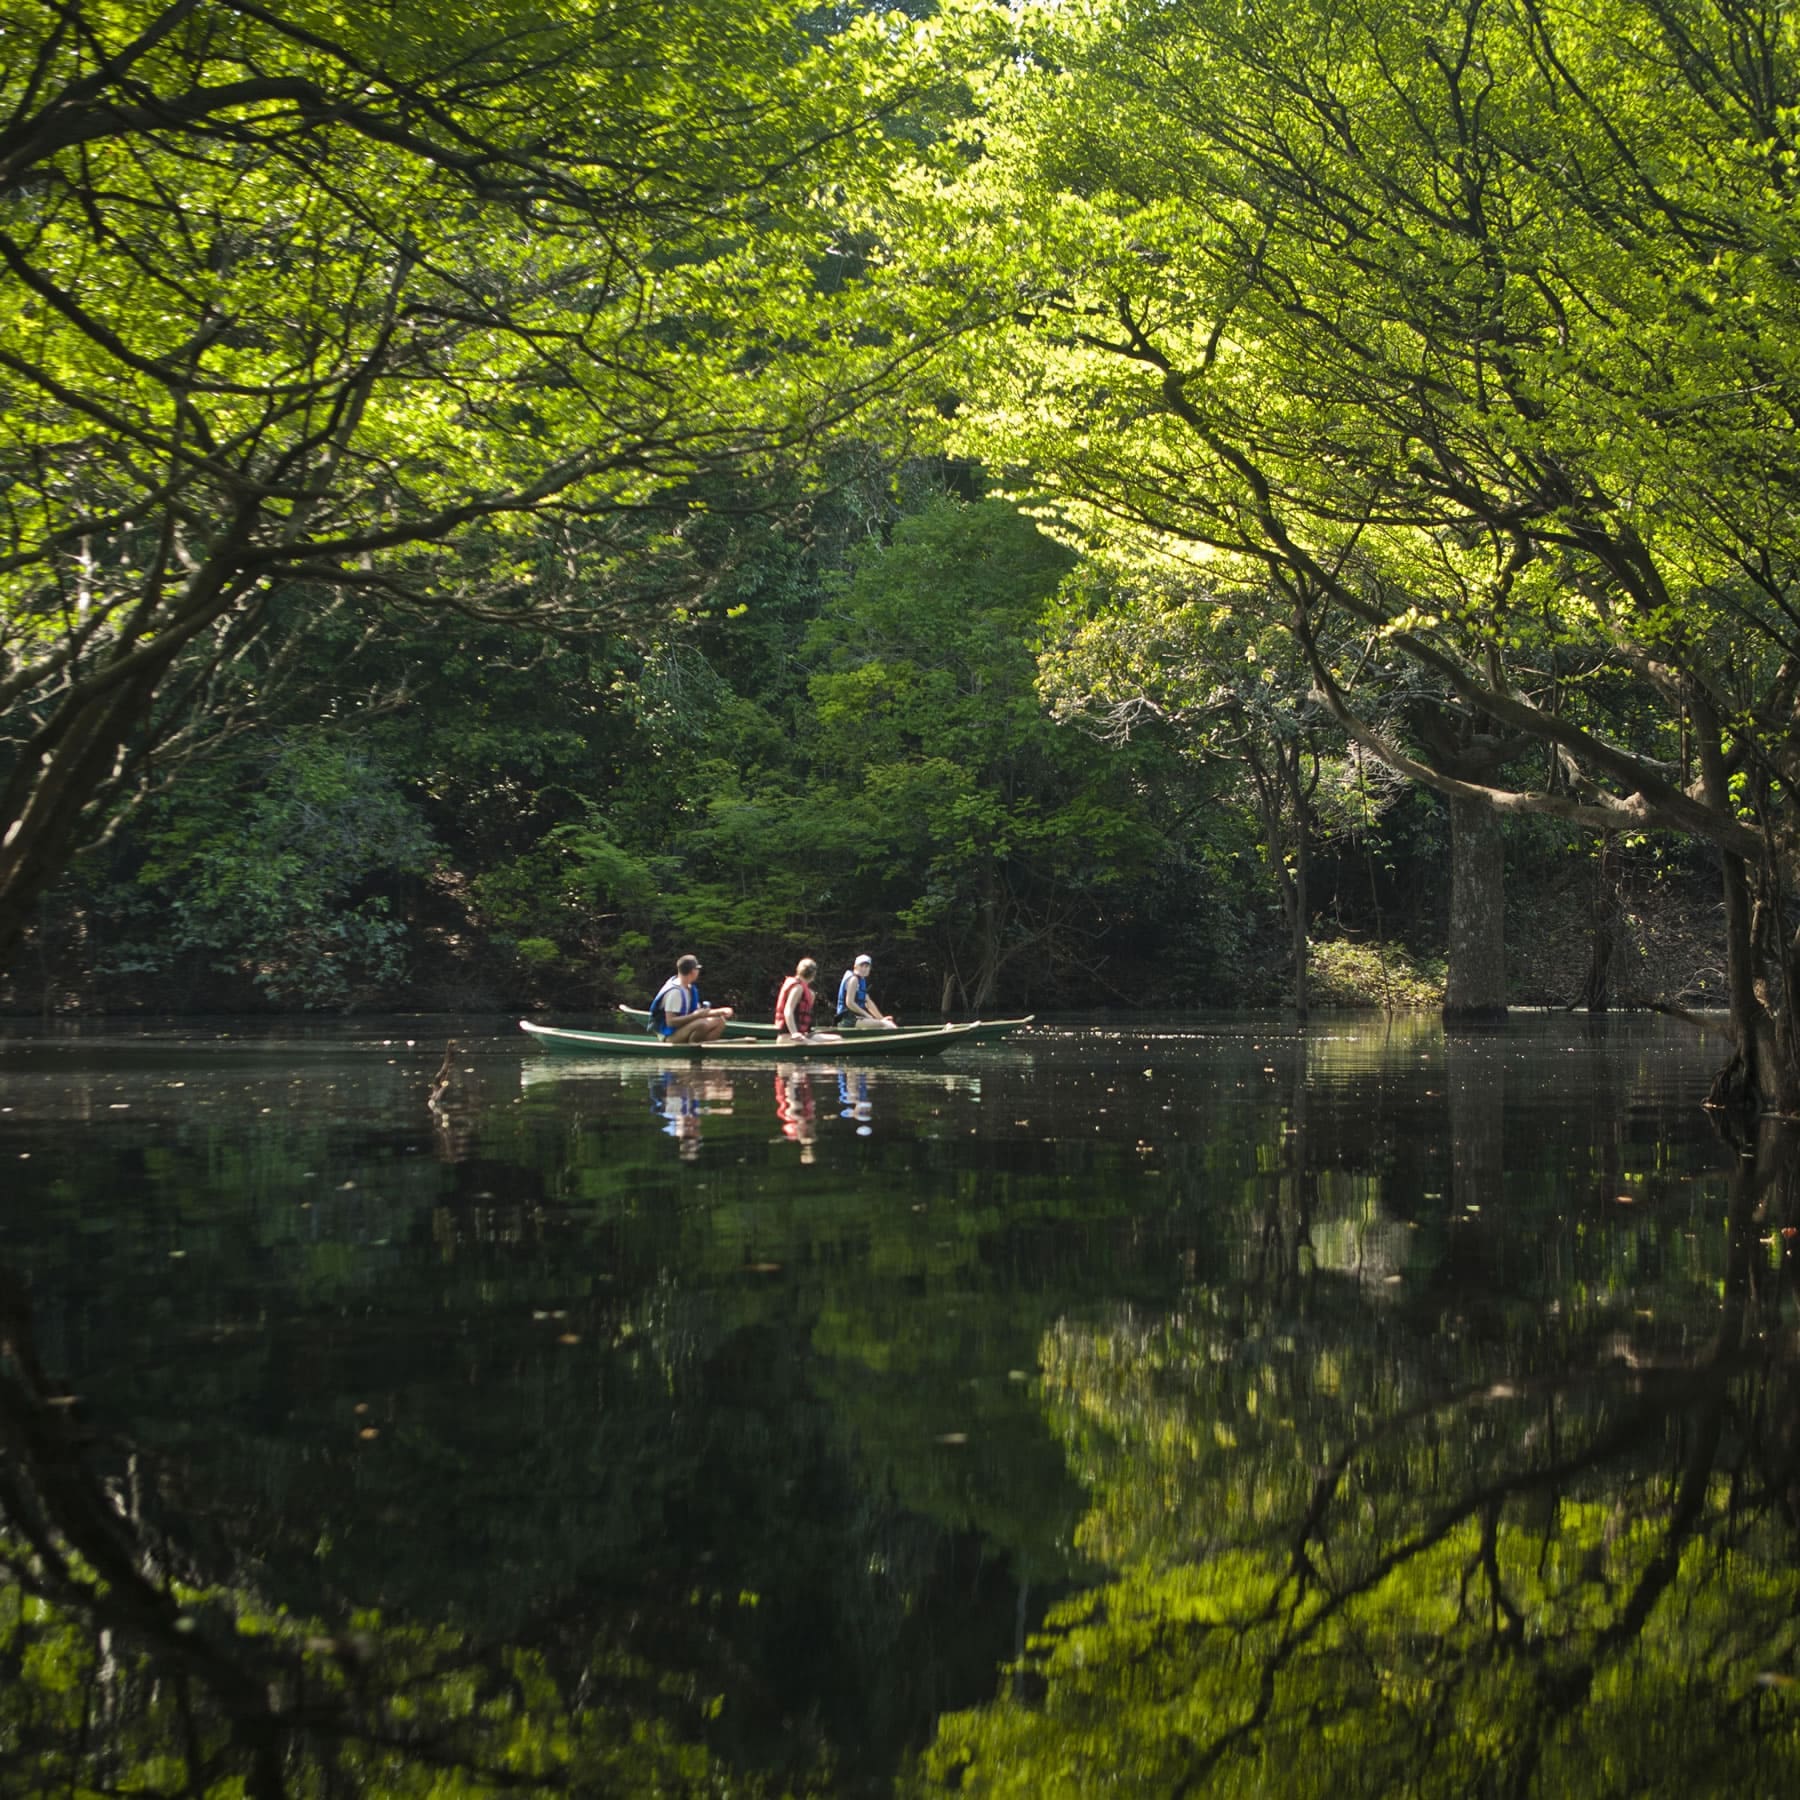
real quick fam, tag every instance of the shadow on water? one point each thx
(1187, 1406)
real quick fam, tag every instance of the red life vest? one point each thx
(802, 1012)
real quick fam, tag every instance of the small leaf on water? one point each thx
(369, 1433)
(570, 1337)
(953, 1437)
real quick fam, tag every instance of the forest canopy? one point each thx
(1456, 339)
(438, 307)
(1424, 373)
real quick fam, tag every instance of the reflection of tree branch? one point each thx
(52, 1501)
(1304, 1576)
(1573, 1687)
(1330, 1478)
(1514, 1630)
(1297, 1633)
(141, 1672)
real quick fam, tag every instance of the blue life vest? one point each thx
(687, 1000)
(862, 990)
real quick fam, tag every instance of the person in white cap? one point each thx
(856, 1011)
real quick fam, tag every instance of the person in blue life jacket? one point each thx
(679, 1014)
(855, 1010)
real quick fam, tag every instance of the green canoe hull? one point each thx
(981, 1031)
(855, 1046)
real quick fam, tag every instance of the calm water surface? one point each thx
(1194, 1406)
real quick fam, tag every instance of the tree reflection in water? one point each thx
(124, 1670)
(1427, 1407)
(1332, 1578)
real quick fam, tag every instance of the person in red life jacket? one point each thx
(794, 1005)
(679, 1014)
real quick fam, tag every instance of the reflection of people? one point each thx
(794, 1004)
(794, 1109)
(678, 1105)
(854, 1102)
(681, 1100)
(679, 1014)
(855, 1010)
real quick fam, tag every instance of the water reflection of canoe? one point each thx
(855, 1046)
(897, 1075)
(980, 1031)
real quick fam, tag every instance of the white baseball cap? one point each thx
(864, 958)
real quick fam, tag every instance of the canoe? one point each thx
(852, 1047)
(981, 1031)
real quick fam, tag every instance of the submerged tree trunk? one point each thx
(1477, 983)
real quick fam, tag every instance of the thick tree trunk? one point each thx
(1596, 988)
(1764, 1071)
(1297, 916)
(1759, 1076)
(987, 971)
(1281, 792)
(1477, 984)
(46, 807)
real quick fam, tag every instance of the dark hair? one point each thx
(686, 965)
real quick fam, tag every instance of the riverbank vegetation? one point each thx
(864, 754)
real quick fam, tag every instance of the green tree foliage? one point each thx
(985, 830)
(447, 306)
(1139, 656)
(1467, 326)
(266, 862)
(597, 801)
